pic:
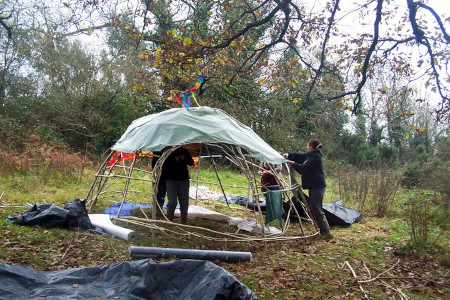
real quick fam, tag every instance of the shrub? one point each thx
(412, 176)
(385, 184)
(353, 186)
(38, 157)
(370, 189)
(427, 217)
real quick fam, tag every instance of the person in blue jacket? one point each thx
(310, 167)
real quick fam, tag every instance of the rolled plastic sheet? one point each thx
(155, 252)
(104, 222)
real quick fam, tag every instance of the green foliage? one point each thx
(351, 149)
(354, 149)
(433, 174)
(412, 175)
(388, 155)
(12, 133)
(428, 221)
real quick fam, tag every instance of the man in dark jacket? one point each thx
(177, 182)
(310, 166)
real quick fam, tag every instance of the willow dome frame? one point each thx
(206, 132)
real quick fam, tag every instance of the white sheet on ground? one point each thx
(203, 193)
(246, 224)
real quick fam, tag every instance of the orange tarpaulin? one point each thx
(118, 156)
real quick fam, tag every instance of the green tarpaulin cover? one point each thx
(178, 126)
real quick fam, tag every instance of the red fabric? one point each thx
(268, 179)
(117, 157)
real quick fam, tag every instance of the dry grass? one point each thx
(40, 157)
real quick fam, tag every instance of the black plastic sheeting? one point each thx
(73, 216)
(338, 215)
(143, 279)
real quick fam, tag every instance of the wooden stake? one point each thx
(127, 183)
(217, 174)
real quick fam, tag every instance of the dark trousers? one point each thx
(315, 202)
(177, 190)
(161, 194)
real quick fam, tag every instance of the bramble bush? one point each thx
(38, 156)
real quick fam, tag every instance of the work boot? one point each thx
(159, 214)
(170, 214)
(159, 210)
(324, 228)
(184, 217)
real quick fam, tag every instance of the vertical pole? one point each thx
(155, 182)
(156, 173)
(127, 183)
(198, 171)
(252, 182)
(100, 182)
(217, 174)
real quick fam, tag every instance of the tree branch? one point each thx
(6, 26)
(147, 8)
(438, 19)
(366, 64)
(396, 43)
(323, 52)
(261, 50)
(87, 30)
(421, 39)
(283, 4)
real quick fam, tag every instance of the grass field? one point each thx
(373, 249)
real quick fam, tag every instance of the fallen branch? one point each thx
(390, 277)
(356, 279)
(398, 290)
(367, 269)
(379, 276)
(108, 241)
(62, 257)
